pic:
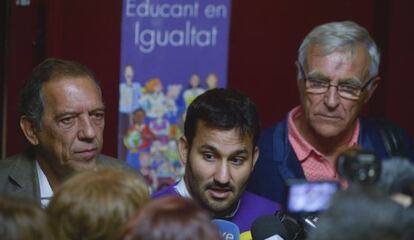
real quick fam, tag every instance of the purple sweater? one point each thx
(251, 207)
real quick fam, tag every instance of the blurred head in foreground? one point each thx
(171, 218)
(364, 214)
(95, 204)
(22, 220)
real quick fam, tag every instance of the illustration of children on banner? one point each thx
(171, 52)
(155, 123)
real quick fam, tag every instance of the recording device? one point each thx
(228, 230)
(303, 200)
(301, 204)
(394, 175)
(280, 226)
(359, 166)
(308, 198)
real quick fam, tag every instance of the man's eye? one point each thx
(98, 115)
(67, 120)
(347, 87)
(208, 156)
(317, 83)
(237, 161)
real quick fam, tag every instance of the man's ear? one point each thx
(256, 154)
(371, 90)
(29, 130)
(183, 149)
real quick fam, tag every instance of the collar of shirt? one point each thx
(182, 190)
(302, 147)
(46, 191)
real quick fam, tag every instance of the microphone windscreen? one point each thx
(268, 227)
(397, 176)
(228, 230)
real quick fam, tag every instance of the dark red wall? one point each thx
(264, 43)
(85, 31)
(399, 74)
(264, 39)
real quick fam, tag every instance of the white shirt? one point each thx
(46, 191)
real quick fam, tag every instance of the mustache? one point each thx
(220, 186)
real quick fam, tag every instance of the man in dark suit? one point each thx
(62, 116)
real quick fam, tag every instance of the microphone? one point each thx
(268, 227)
(397, 176)
(247, 235)
(397, 180)
(282, 226)
(228, 230)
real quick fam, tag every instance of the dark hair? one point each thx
(222, 109)
(171, 218)
(31, 104)
(20, 219)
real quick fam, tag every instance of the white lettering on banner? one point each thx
(212, 11)
(148, 39)
(164, 10)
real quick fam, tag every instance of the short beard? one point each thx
(198, 196)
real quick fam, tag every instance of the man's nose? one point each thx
(222, 174)
(87, 129)
(332, 97)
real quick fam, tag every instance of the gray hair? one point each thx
(335, 35)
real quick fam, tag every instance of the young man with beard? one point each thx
(219, 152)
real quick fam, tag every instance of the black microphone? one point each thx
(282, 226)
(296, 226)
(268, 227)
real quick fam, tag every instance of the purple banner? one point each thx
(171, 52)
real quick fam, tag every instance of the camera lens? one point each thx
(359, 166)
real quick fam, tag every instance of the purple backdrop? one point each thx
(171, 51)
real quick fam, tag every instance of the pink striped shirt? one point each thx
(315, 166)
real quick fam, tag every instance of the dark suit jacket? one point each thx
(18, 175)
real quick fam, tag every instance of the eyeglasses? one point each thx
(346, 89)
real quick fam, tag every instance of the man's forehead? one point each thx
(62, 78)
(342, 53)
(59, 83)
(355, 63)
(217, 137)
(69, 92)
